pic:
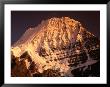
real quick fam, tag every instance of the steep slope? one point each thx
(56, 47)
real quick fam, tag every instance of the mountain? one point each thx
(58, 47)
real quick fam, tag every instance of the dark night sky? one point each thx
(22, 20)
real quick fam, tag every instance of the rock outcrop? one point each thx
(58, 47)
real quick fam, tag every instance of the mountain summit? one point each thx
(56, 47)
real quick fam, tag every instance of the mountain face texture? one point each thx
(58, 47)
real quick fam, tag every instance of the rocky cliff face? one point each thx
(56, 47)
